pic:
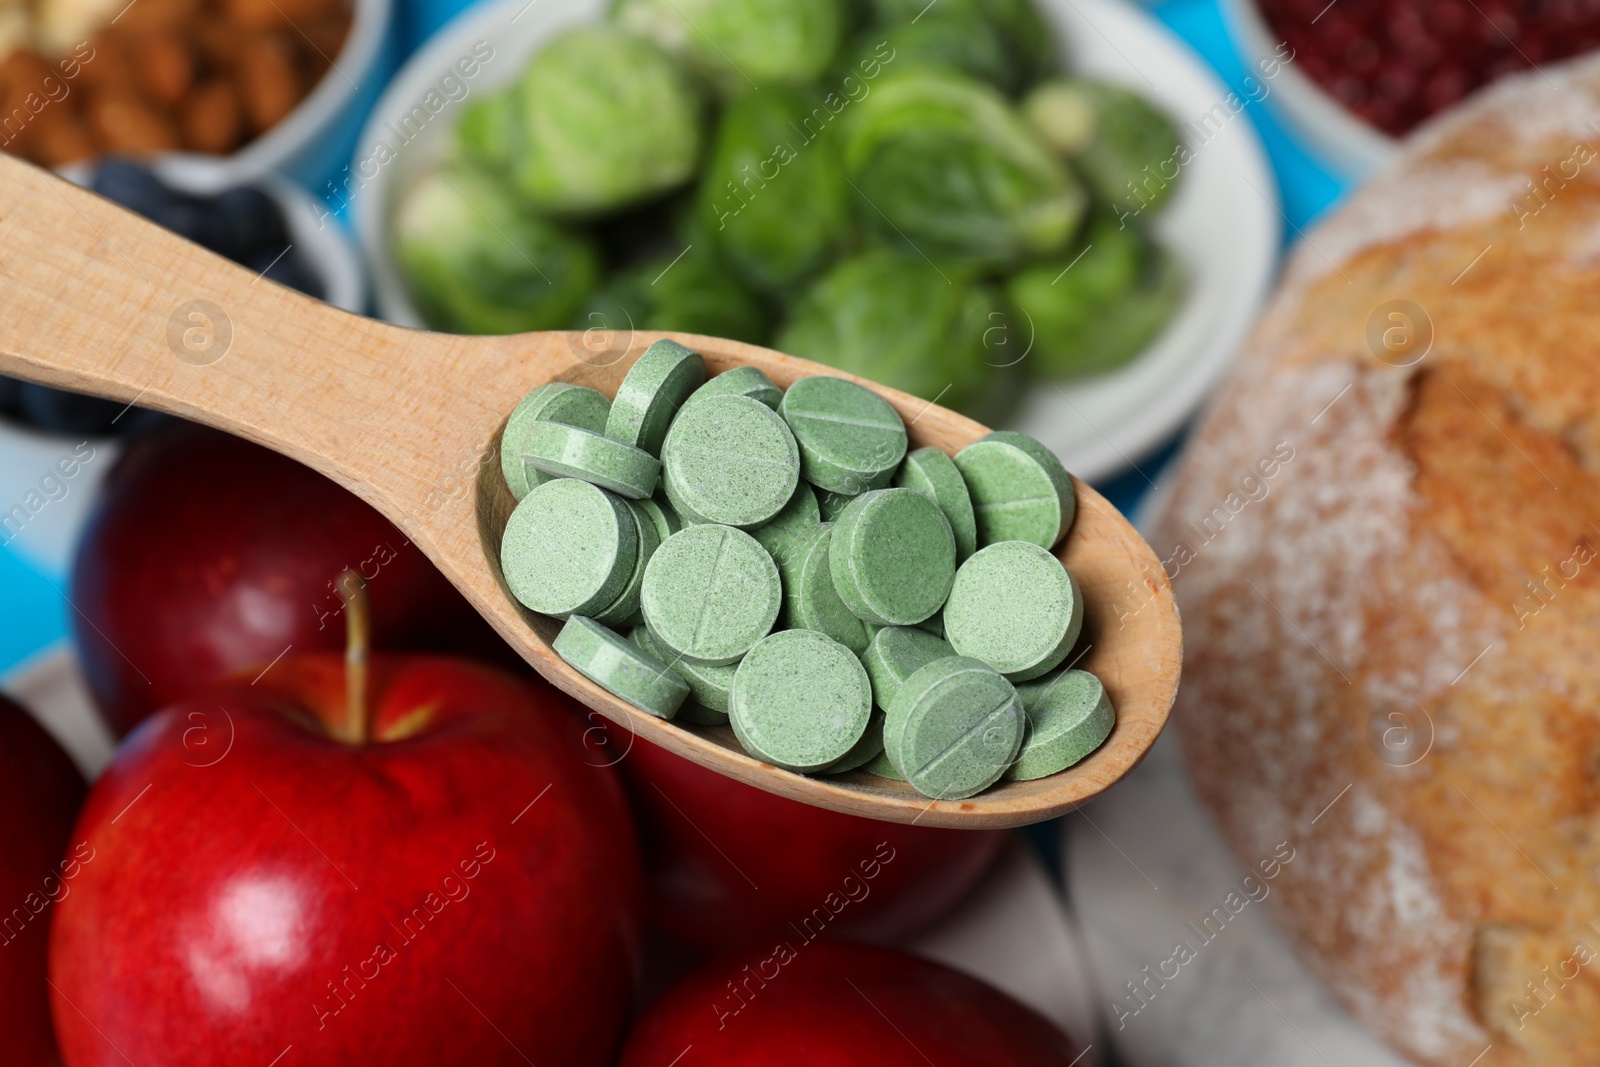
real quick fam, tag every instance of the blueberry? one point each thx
(58, 411)
(288, 270)
(132, 185)
(242, 222)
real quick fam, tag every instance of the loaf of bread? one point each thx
(1385, 542)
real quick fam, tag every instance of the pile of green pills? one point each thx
(782, 566)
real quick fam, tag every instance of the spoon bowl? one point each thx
(95, 299)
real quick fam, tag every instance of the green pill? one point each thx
(569, 452)
(1069, 716)
(575, 405)
(883, 767)
(729, 460)
(711, 592)
(832, 505)
(709, 687)
(851, 440)
(810, 600)
(620, 668)
(1020, 491)
(895, 654)
(1014, 606)
(651, 393)
(864, 751)
(662, 515)
(742, 381)
(893, 557)
(625, 608)
(801, 701)
(569, 548)
(954, 728)
(797, 519)
(935, 475)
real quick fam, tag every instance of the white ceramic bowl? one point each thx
(1223, 223)
(327, 252)
(1343, 140)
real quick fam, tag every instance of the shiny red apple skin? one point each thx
(206, 555)
(731, 866)
(245, 859)
(837, 1004)
(41, 791)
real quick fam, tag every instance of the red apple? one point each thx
(40, 794)
(836, 1004)
(731, 866)
(207, 555)
(458, 887)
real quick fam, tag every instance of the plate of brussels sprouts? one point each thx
(1042, 213)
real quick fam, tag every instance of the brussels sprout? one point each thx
(946, 164)
(490, 130)
(741, 45)
(774, 197)
(1030, 45)
(1127, 151)
(1097, 306)
(607, 120)
(477, 261)
(692, 294)
(959, 40)
(900, 320)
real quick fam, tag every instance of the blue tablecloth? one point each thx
(36, 613)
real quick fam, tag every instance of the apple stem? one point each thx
(358, 640)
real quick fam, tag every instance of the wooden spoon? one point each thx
(95, 299)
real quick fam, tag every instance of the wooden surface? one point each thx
(409, 420)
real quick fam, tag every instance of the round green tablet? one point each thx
(798, 517)
(810, 601)
(742, 381)
(895, 654)
(801, 700)
(662, 514)
(953, 728)
(1020, 491)
(651, 393)
(1014, 606)
(893, 557)
(710, 592)
(933, 474)
(864, 751)
(620, 667)
(1069, 716)
(851, 440)
(569, 452)
(709, 687)
(623, 609)
(729, 460)
(575, 405)
(569, 548)
(883, 767)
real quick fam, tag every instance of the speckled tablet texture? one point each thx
(625, 608)
(709, 687)
(730, 460)
(568, 548)
(620, 667)
(1015, 607)
(851, 440)
(1020, 491)
(651, 393)
(710, 593)
(801, 700)
(1069, 716)
(575, 405)
(864, 751)
(895, 654)
(893, 557)
(662, 515)
(798, 518)
(810, 601)
(742, 381)
(953, 728)
(933, 474)
(569, 452)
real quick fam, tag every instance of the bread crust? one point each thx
(1393, 640)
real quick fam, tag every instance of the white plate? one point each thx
(1013, 931)
(1223, 223)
